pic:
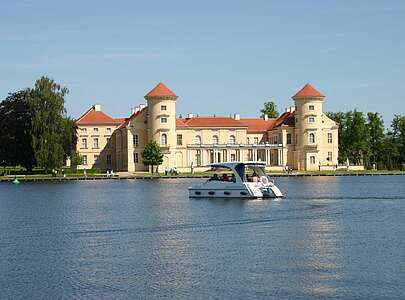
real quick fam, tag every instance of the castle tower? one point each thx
(309, 120)
(161, 121)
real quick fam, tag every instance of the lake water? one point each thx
(330, 237)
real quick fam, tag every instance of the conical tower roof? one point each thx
(308, 91)
(161, 91)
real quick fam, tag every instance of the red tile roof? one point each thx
(209, 122)
(160, 91)
(287, 118)
(93, 117)
(127, 120)
(308, 91)
(258, 125)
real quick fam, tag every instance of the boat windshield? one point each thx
(250, 172)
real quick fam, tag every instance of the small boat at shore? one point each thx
(248, 180)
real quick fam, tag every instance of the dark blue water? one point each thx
(330, 237)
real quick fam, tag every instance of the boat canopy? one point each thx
(239, 168)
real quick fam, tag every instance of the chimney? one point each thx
(190, 115)
(97, 107)
(265, 117)
(236, 117)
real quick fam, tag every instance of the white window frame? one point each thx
(135, 140)
(312, 160)
(215, 140)
(179, 138)
(310, 140)
(163, 120)
(96, 143)
(84, 143)
(311, 120)
(330, 138)
(163, 139)
(197, 140)
(232, 140)
(84, 159)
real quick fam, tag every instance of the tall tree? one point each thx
(15, 131)
(269, 109)
(46, 101)
(358, 139)
(376, 130)
(69, 137)
(152, 155)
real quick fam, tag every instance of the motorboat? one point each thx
(248, 180)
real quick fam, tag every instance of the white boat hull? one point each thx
(246, 190)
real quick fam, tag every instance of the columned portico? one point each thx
(216, 153)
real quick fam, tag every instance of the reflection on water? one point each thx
(330, 237)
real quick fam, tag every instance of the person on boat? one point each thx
(224, 177)
(255, 178)
(214, 177)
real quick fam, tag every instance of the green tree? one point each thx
(152, 155)
(358, 138)
(376, 130)
(269, 109)
(76, 159)
(46, 101)
(15, 131)
(69, 137)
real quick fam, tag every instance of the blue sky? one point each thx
(220, 57)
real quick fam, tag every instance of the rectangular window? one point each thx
(329, 158)
(135, 140)
(163, 120)
(247, 141)
(84, 143)
(108, 130)
(256, 140)
(95, 130)
(83, 130)
(233, 157)
(312, 160)
(329, 138)
(109, 159)
(288, 138)
(84, 159)
(179, 140)
(163, 107)
(95, 143)
(311, 120)
(311, 107)
(136, 157)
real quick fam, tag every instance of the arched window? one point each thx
(215, 140)
(197, 140)
(312, 138)
(232, 140)
(163, 139)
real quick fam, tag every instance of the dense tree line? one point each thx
(363, 140)
(34, 127)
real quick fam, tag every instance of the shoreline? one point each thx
(10, 178)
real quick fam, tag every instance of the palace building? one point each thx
(302, 138)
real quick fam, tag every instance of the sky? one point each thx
(219, 57)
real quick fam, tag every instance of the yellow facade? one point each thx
(302, 138)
